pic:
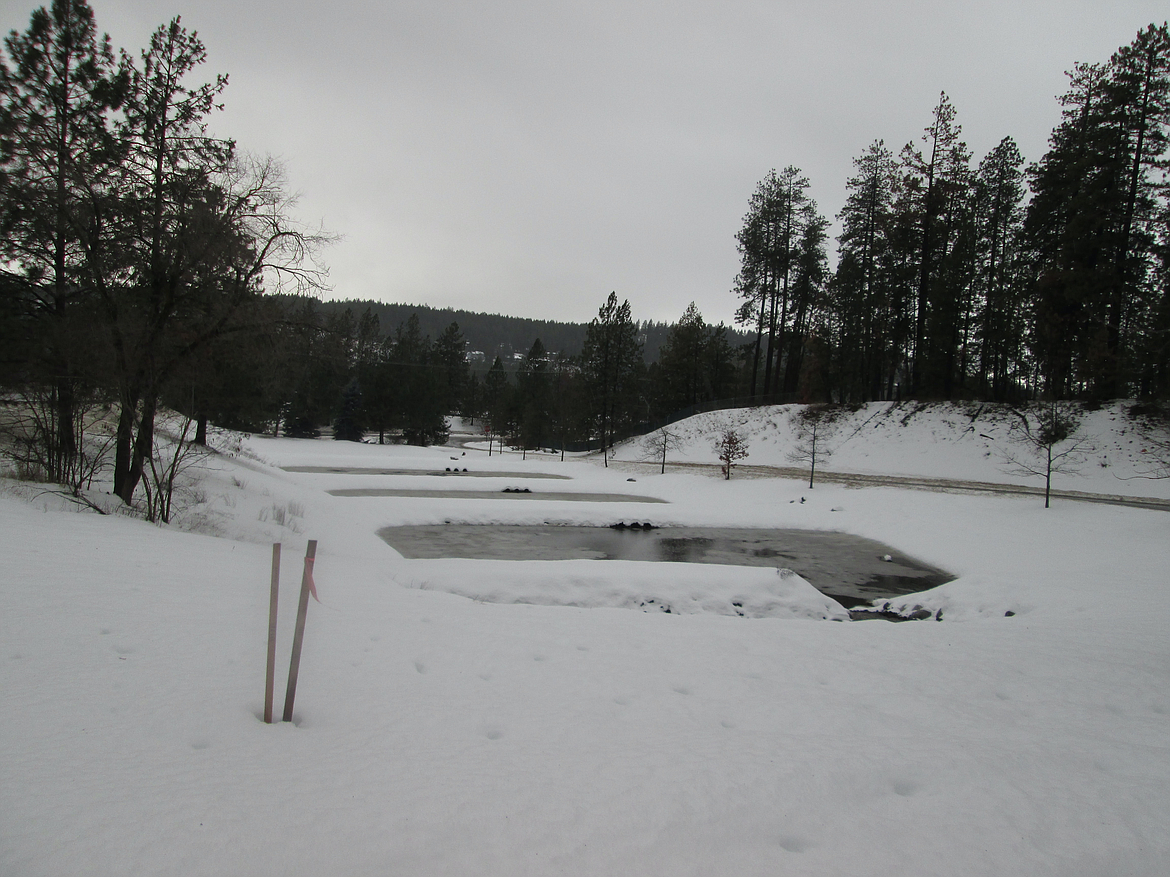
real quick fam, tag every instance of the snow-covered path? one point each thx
(859, 479)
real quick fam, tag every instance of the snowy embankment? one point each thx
(686, 589)
(1028, 733)
(968, 442)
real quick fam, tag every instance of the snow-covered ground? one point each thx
(439, 733)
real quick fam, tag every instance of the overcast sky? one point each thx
(528, 156)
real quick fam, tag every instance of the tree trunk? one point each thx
(142, 449)
(123, 446)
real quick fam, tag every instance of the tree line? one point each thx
(137, 250)
(998, 280)
(499, 335)
(312, 367)
(133, 244)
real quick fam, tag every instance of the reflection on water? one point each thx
(681, 550)
(848, 568)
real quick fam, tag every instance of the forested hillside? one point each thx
(500, 335)
(492, 334)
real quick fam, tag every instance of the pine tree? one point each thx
(1096, 220)
(682, 377)
(56, 161)
(611, 364)
(937, 180)
(997, 326)
(533, 391)
(350, 423)
(731, 448)
(419, 378)
(722, 364)
(810, 275)
(1065, 223)
(497, 398)
(1137, 98)
(779, 215)
(450, 357)
(868, 346)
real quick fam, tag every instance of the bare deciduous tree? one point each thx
(27, 429)
(815, 426)
(659, 442)
(1044, 441)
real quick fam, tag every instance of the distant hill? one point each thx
(490, 333)
(498, 335)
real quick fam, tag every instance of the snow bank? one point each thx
(679, 588)
(962, 441)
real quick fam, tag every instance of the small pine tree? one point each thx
(348, 426)
(731, 449)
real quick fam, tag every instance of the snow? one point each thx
(500, 735)
(682, 588)
(969, 442)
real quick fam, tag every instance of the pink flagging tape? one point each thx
(309, 576)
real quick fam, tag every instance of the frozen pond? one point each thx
(850, 569)
(507, 493)
(451, 472)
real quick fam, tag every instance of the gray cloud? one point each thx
(528, 157)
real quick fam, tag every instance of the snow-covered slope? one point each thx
(969, 442)
(1027, 733)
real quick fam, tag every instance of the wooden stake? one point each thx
(299, 634)
(270, 674)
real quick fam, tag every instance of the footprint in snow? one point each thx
(420, 666)
(905, 788)
(793, 844)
